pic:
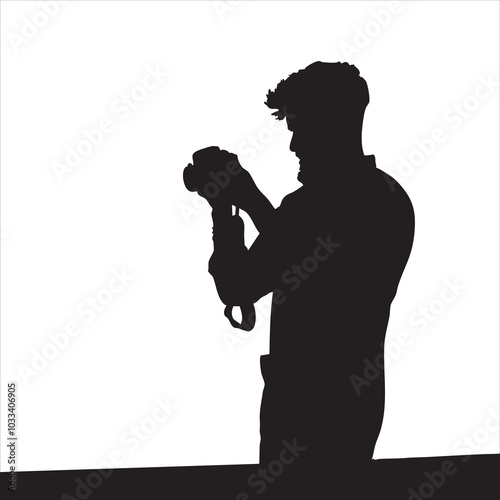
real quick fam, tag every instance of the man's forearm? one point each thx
(256, 205)
(233, 272)
(260, 210)
(227, 262)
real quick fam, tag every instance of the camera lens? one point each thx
(189, 177)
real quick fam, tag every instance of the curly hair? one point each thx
(321, 88)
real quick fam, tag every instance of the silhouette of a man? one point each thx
(332, 254)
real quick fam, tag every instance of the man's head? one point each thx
(324, 106)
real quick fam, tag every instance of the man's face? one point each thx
(313, 141)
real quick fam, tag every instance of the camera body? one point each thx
(197, 175)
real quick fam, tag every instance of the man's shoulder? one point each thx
(387, 181)
(292, 198)
(392, 192)
(373, 191)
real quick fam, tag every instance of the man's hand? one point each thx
(228, 183)
(218, 176)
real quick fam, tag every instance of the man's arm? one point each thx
(240, 190)
(241, 276)
(244, 275)
(260, 210)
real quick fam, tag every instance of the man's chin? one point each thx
(301, 177)
(307, 169)
(304, 171)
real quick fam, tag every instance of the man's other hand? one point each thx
(228, 183)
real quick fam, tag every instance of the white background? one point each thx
(125, 206)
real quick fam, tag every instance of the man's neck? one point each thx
(341, 165)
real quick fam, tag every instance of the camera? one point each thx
(211, 171)
(208, 174)
(197, 175)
